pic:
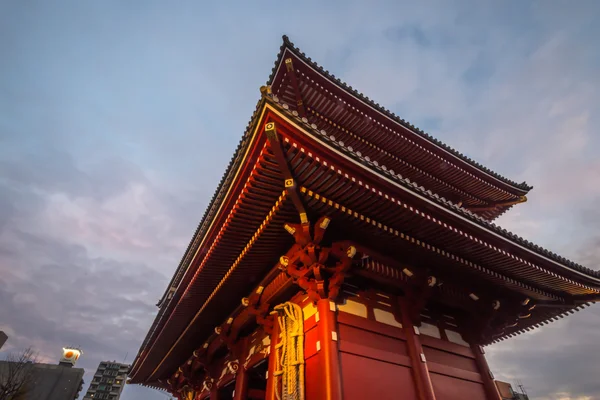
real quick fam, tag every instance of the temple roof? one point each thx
(289, 45)
(472, 217)
(371, 128)
(241, 235)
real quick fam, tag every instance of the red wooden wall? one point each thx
(372, 354)
(374, 361)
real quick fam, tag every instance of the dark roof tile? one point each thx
(290, 45)
(459, 210)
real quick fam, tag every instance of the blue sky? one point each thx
(117, 120)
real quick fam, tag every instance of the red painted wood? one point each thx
(420, 371)
(271, 388)
(330, 386)
(241, 378)
(370, 325)
(311, 337)
(447, 388)
(451, 360)
(488, 382)
(428, 341)
(310, 323)
(453, 372)
(366, 378)
(256, 394)
(214, 393)
(374, 362)
(369, 344)
(312, 374)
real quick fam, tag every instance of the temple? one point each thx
(346, 254)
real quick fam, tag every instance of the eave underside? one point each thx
(370, 131)
(385, 221)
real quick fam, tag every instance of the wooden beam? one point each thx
(586, 298)
(489, 385)
(214, 392)
(241, 378)
(493, 206)
(290, 181)
(416, 354)
(272, 388)
(289, 65)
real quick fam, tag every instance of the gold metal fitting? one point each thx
(271, 130)
(266, 90)
(496, 305)
(289, 64)
(291, 230)
(351, 251)
(303, 218)
(325, 223)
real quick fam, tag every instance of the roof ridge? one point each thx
(287, 43)
(373, 164)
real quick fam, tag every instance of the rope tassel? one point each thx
(289, 352)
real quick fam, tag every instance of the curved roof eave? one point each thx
(287, 44)
(448, 206)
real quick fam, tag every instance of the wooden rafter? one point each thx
(289, 64)
(494, 206)
(290, 181)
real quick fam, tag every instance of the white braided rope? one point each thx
(289, 352)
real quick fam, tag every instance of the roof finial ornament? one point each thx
(266, 90)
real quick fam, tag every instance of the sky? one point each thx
(118, 118)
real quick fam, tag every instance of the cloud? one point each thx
(102, 305)
(84, 255)
(117, 121)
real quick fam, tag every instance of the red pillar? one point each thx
(271, 389)
(330, 386)
(417, 356)
(241, 378)
(491, 390)
(214, 392)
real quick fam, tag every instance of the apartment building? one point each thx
(108, 381)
